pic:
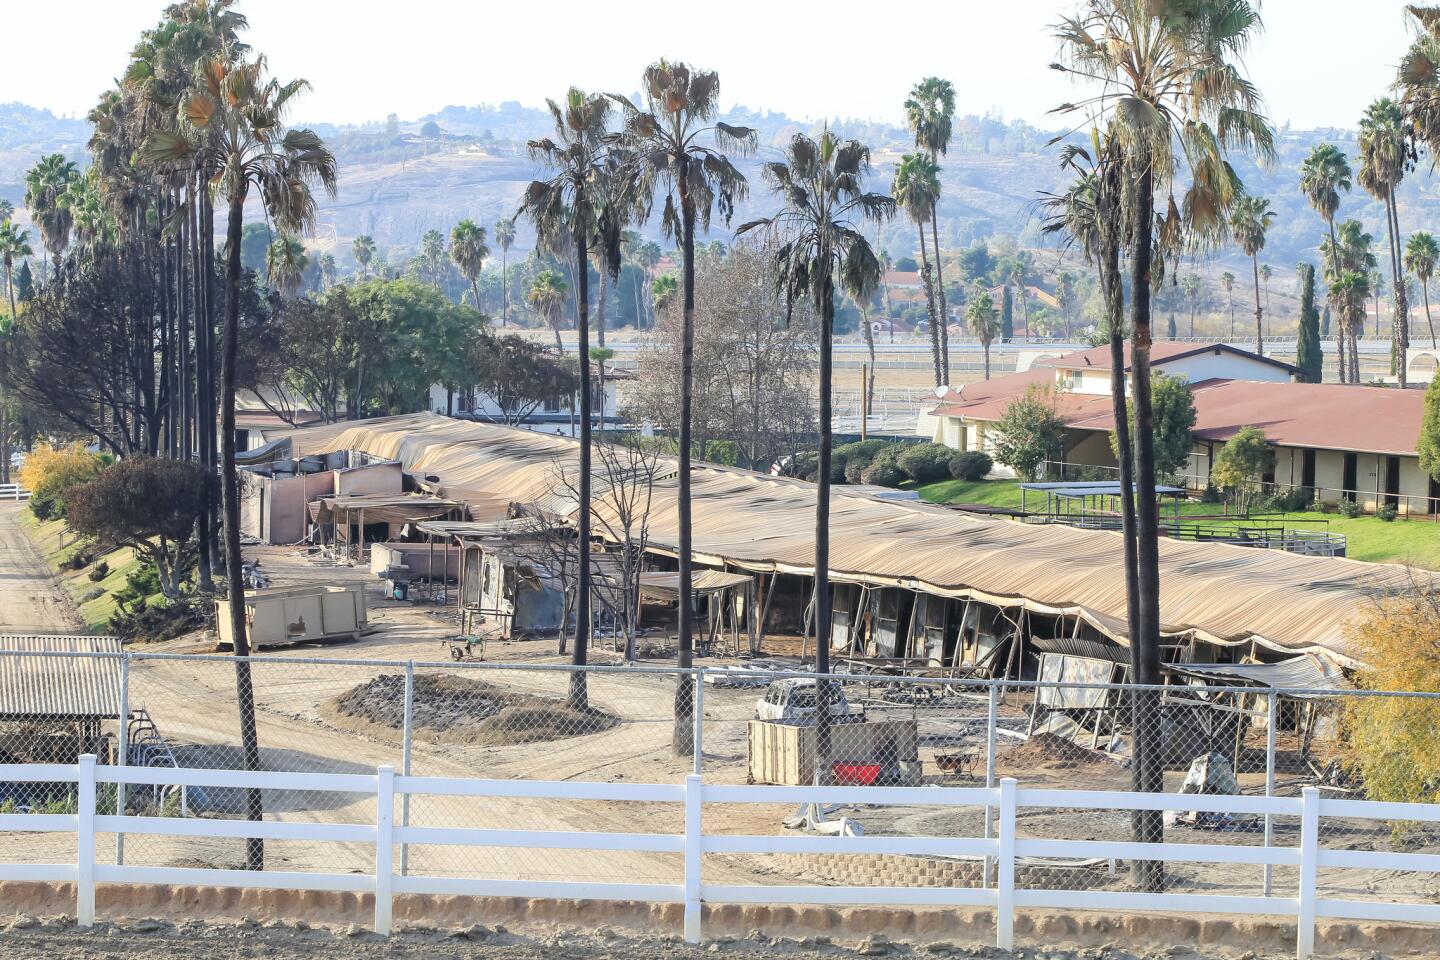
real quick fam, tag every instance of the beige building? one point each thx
(1344, 442)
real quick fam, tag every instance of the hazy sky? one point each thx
(1318, 63)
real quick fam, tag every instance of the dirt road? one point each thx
(30, 599)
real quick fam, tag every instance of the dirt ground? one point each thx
(30, 599)
(56, 939)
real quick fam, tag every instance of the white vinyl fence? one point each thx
(13, 491)
(999, 852)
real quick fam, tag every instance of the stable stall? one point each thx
(349, 523)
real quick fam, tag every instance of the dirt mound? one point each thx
(452, 709)
(1048, 751)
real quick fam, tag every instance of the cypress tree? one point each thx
(1007, 315)
(1307, 348)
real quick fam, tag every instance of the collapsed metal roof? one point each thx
(40, 684)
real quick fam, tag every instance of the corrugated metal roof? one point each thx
(1297, 673)
(36, 686)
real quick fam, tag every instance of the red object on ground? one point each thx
(857, 774)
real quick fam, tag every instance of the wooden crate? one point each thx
(784, 753)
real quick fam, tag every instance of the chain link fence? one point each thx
(546, 722)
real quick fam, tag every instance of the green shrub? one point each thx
(884, 472)
(45, 506)
(855, 469)
(99, 572)
(850, 459)
(1211, 494)
(1387, 512)
(79, 560)
(1292, 500)
(1350, 508)
(726, 452)
(971, 465)
(925, 462)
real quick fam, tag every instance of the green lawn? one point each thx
(1415, 542)
(52, 539)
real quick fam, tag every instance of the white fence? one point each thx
(13, 491)
(999, 852)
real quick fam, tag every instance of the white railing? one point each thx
(13, 491)
(999, 852)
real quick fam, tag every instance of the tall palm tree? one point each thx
(14, 245)
(664, 289)
(1386, 155)
(504, 236)
(1265, 274)
(589, 197)
(547, 298)
(917, 189)
(1324, 173)
(1227, 280)
(327, 269)
(469, 251)
(930, 115)
(984, 322)
(434, 258)
(1350, 252)
(285, 264)
(7, 210)
(1174, 101)
(45, 184)
(1190, 286)
(363, 249)
(1249, 220)
(669, 135)
(1422, 251)
(817, 241)
(232, 121)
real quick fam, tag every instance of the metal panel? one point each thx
(33, 687)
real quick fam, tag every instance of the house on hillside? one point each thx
(1342, 441)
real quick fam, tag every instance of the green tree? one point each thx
(1324, 173)
(505, 236)
(917, 190)
(930, 113)
(363, 249)
(1349, 252)
(1307, 347)
(1190, 287)
(285, 263)
(1386, 155)
(434, 257)
(1227, 280)
(547, 298)
(519, 374)
(1429, 442)
(469, 251)
(1029, 432)
(45, 185)
(817, 238)
(1421, 253)
(1174, 420)
(667, 134)
(327, 270)
(1242, 464)
(980, 317)
(14, 245)
(1250, 219)
(1007, 314)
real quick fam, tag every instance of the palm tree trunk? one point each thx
(1145, 644)
(504, 289)
(600, 310)
(869, 384)
(1424, 288)
(930, 304)
(822, 532)
(683, 737)
(1400, 328)
(579, 697)
(1259, 312)
(1340, 315)
(230, 502)
(941, 309)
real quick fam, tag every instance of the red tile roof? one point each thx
(1324, 416)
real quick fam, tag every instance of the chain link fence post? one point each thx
(699, 719)
(122, 739)
(1271, 721)
(405, 739)
(992, 716)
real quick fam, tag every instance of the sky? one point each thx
(1318, 63)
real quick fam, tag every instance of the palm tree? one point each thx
(363, 248)
(589, 198)
(505, 236)
(327, 269)
(1349, 251)
(285, 263)
(7, 210)
(666, 134)
(663, 290)
(1421, 253)
(469, 251)
(1167, 80)
(1190, 286)
(1386, 155)
(917, 189)
(1227, 280)
(45, 184)
(547, 298)
(984, 322)
(14, 245)
(930, 115)
(1265, 274)
(817, 240)
(232, 122)
(433, 256)
(1323, 175)
(1249, 220)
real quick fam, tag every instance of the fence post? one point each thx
(85, 842)
(694, 785)
(1309, 858)
(992, 717)
(384, 846)
(123, 744)
(699, 719)
(405, 760)
(1271, 721)
(1005, 869)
